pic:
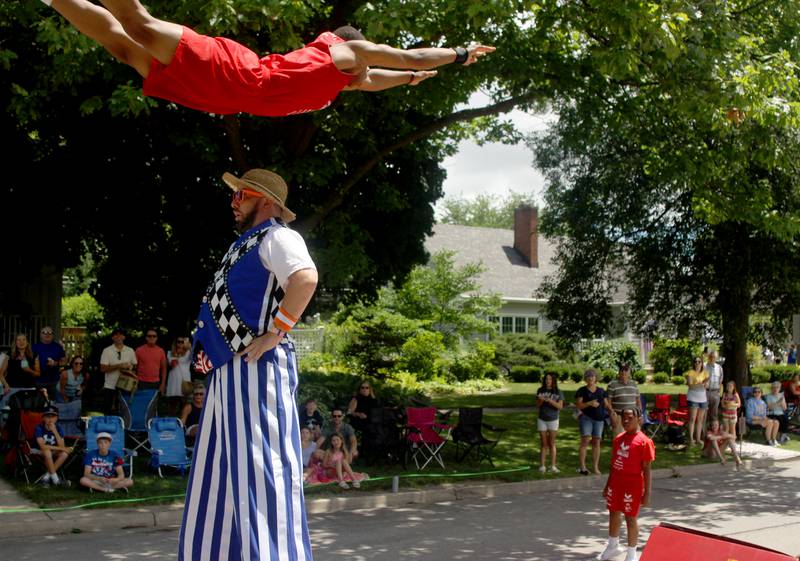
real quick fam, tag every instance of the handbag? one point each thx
(127, 383)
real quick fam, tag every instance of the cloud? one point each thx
(496, 168)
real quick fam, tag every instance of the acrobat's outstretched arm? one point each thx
(358, 54)
(377, 79)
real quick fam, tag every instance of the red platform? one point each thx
(668, 542)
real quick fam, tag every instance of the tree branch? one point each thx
(233, 129)
(336, 198)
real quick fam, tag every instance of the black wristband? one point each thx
(461, 55)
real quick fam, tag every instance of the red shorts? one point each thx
(625, 494)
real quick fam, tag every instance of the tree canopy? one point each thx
(673, 170)
(484, 210)
(137, 180)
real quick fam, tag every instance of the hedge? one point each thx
(679, 380)
(526, 374)
(660, 378)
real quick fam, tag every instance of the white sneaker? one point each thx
(612, 551)
(632, 555)
(344, 485)
(357, 484)
(554, 469)
(542, 469)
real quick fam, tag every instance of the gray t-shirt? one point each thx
(546, 411)
(623, 396)
(346, 431)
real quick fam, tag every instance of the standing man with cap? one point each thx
(115, 360)
(245, 495)
(51, 357)
(102, 467)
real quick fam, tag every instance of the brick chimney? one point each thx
(526, 239)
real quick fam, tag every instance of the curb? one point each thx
(170, 516)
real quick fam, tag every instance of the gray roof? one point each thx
(507, 272)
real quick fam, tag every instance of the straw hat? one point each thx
(266, 182)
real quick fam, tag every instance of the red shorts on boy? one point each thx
(625, 494)
(217, 75)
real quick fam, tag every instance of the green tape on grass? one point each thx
(182, 496)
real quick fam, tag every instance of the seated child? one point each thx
(102, 468)
(718, 441)
(50, 442)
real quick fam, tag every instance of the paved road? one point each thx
(760, 506)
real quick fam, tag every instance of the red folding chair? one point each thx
(425, 437)
(681, 413)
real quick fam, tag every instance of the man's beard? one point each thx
(246, 220)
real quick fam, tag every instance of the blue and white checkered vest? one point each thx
(241, 300)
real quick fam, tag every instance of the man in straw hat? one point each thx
(245, 496)
(221, 76)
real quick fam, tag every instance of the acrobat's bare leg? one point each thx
(160, 38)
(97, 23)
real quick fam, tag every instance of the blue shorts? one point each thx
(590, 427)
(697, 404)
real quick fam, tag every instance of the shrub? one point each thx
(640, 376)
(606, 376)
(421, 354)
(474, 363)
(779, 371)
(760, 376)
(612, 354)
(523, 349)
(576, 375)
(671, 355)
(526, 374)
(679, 380)
(660, 378)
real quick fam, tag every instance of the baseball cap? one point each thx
(103, 435)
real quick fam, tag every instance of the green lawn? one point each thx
(516, 455)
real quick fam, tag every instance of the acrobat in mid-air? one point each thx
(221, 76)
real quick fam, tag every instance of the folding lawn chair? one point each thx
(744, 427)
(114, 426)
(681, 412)
(424, 436)
(168, 444)
(468, 434)
(136, 409)
(29, 458)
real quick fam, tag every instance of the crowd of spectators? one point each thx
(46, 368)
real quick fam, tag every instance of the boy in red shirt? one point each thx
(628, 485)
(221, 76)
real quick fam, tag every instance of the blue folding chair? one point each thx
(114, 426)
(649, 426)
(168, 444)
(137, 409)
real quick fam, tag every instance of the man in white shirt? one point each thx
(714, 389)
(116, 359)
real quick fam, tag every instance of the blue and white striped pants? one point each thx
(245, 497)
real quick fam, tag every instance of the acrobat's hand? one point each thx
(260, 345)
(474, 52)
(421, 75)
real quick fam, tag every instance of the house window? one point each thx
(519, 325)
(507, 324)
(533, 325)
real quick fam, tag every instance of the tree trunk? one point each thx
(734, 299)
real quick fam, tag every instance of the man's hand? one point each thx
(474, 52)
(422, 75)
(260, 345)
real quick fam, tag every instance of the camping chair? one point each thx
(744, 427)
(468, 434)
(17, 400)
(651, 425)
(382, 438)
(29, 457)
(114, 426)
(136, 409)
(681, 412)
(167, 444)
(424, 436)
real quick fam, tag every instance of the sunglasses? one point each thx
(336, 416)
(239, 196)
(364, 387)
(152, 336)
(47, 332)
(78, 362)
